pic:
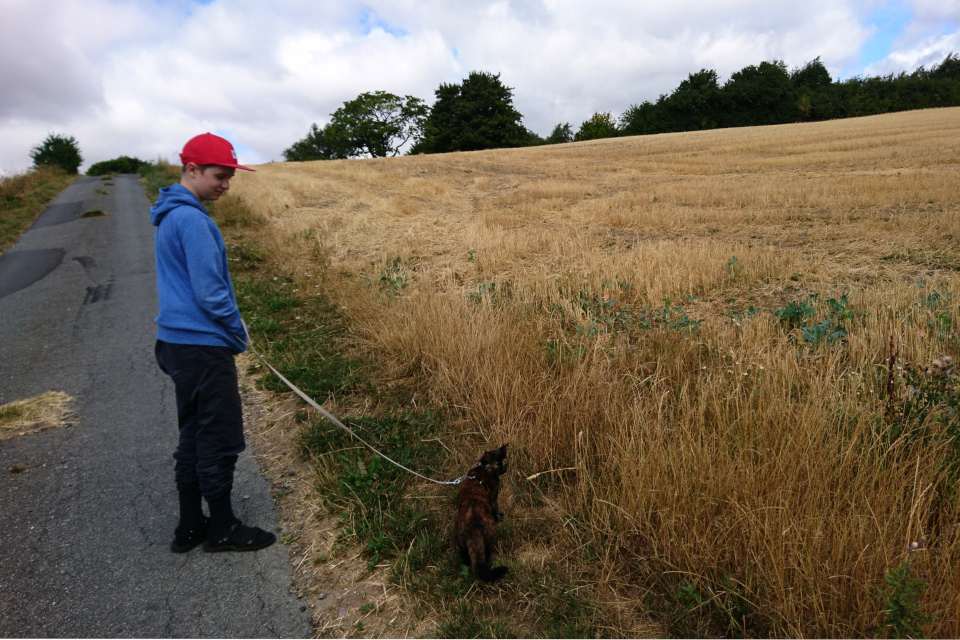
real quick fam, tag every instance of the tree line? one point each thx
(478, 113)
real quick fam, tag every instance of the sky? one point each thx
(141, 77)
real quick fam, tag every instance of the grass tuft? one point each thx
(46, 411)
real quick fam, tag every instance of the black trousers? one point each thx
(209, 414)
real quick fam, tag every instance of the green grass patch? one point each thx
(101, 192)
(23, 196)
(156, 175)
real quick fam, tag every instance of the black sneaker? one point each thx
(240, 537)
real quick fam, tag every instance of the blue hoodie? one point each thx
(197, 303)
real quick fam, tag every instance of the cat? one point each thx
(477, 512)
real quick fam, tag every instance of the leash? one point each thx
(330, 416)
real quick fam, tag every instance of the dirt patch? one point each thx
(345, 597)
(50, 410)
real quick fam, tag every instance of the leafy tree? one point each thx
(123, 164)
(644, 119)
(58, 151)
(476, 114)
(561, 134)
(600, 125)
(812, 75)
(758, 95)
(695, 104)
(328, 143)
(813, 84)
(379, 123)
(949, 68)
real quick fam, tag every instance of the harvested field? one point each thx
(738, 345)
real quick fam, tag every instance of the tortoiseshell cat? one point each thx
(477, 512)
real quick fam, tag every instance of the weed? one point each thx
(737, 317)
(93, 213)
(830, 331)
(10, 412)
(733, 268)
(717, 603)
(101, 192)
(927, 411)
(901, 595)
(795, 314)
(492, 294)
(393, 278)
(670, 317)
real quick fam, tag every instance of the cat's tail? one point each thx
(478, 559)
(487, 574)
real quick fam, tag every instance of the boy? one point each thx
(197, 338)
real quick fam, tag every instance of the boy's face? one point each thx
(207, 183)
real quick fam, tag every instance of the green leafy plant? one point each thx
(926, 409)
(716, 603)
(901, 596)
(830, 331)
(493, 294)
(733, 268)
(393, 278)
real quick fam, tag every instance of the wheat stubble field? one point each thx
(730, 350)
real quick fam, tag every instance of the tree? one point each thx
(379, 123)
(319, 144)
(695, 104)
(759, 95)
(644, 119)
(58, 151)
(600, 125)
(949, 68)
(477, 114)
(812, 75)
(561, 134)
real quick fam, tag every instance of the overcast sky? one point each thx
(140, 77)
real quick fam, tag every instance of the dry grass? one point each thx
(23, 196)
(49, 410)
(697, 454)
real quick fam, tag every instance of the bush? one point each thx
(57, 151)
(123, 164)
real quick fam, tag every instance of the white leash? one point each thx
(330, 416)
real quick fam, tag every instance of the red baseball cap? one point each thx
(210, 149)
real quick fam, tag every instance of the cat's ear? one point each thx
(503, 449)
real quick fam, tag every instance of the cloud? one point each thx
(928, 52)
(140, 78)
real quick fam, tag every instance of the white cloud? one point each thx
(141, 78)
(928, 52)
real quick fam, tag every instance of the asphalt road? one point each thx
(85, 530)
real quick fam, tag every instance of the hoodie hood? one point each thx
(172, 197)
